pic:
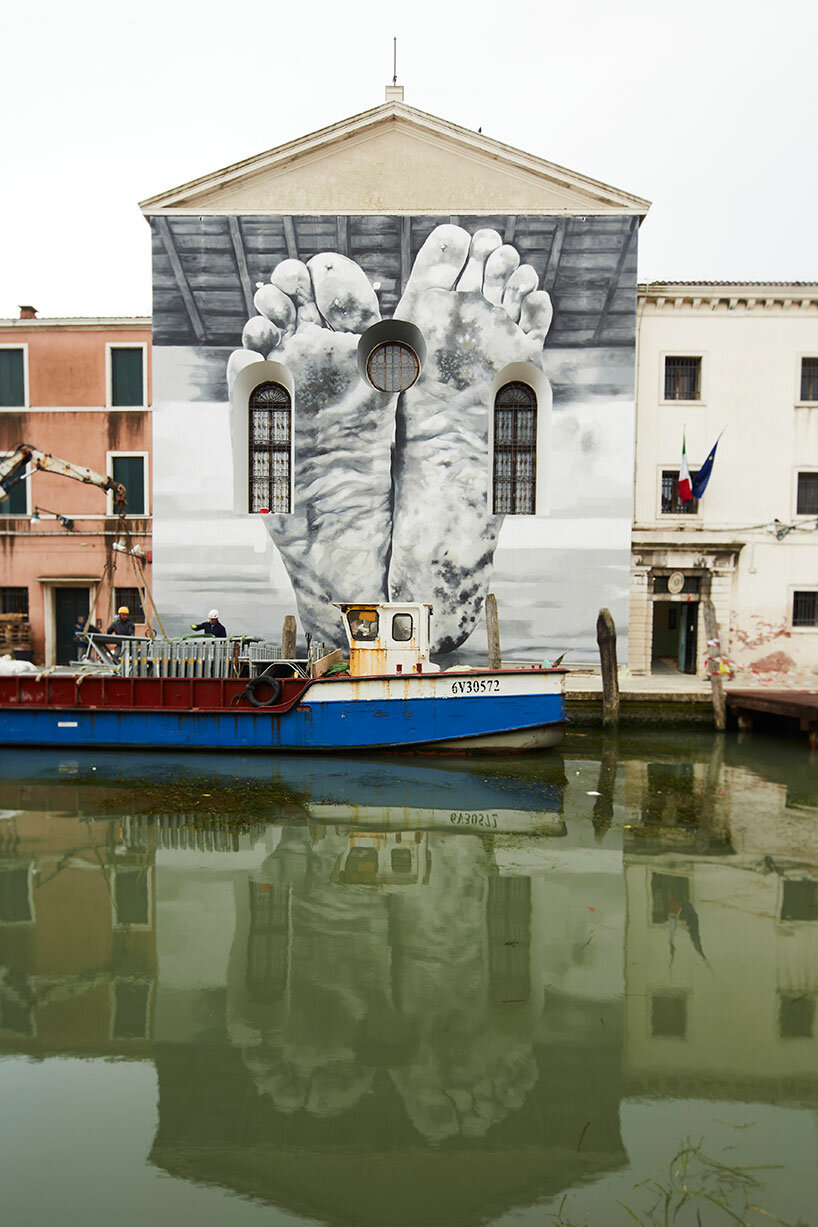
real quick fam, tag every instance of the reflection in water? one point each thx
(405, 994)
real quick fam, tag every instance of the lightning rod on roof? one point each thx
(394, 61)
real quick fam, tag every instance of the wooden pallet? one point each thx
(15, 631)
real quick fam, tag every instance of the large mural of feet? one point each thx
(392, 493)
(479, 310)
(335, 544)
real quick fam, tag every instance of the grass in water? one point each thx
(710, 1193)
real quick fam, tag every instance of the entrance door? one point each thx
(688, 633)
(69, 603)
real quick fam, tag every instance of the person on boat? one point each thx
(123, 624)
(212, 627)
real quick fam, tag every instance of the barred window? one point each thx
(672, 505)
(805, 608)
(13, 600)
(270, 439)
(683, 378)
(515, 450)
(807, 498)
(809, 379)
(392, 367)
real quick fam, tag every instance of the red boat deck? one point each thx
(70, 691)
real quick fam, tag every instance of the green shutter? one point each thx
(12, 381)
(130, 470)
(126, 377)
(15, 503)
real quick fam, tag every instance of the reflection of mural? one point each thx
(392, 493)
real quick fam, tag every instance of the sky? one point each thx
(707, 109)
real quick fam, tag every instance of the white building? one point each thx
(743, 359)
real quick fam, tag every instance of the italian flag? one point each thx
(685, 486)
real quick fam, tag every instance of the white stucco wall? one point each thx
(751, 340)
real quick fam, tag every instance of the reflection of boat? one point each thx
(344, 792)
(384, 859)
(392, 698)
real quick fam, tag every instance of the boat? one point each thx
(390, 696)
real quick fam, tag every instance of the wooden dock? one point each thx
(776, 706)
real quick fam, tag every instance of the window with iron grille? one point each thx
(807, 499)
(131, 598)
(14, 600)
(270, 439)
(805, 608)
(672, 505)
(515, 450)
(392, 367)
(809, 379)
(683, 378)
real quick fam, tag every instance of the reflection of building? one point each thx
(79, 389)
(77, 938)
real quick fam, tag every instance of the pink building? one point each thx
(79, 389)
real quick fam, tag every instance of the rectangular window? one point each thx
(12, 378)
(127, 377)
(515, 450)
(131, 598)
(15, 502)
(131, 1001)
(796, 1016)
(672, 505)
(130, 470)
(270, 411)
(15, 900)
(14, 601)
(131, 897)
(683, 378)
(809, 379)
(805, 608)
(807, 499)
(800, 899)
(668, 1015)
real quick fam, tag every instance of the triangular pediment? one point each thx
(395, 159)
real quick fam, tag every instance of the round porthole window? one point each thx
(392, 366)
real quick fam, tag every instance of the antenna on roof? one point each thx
(394, 92)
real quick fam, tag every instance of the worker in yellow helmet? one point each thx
(124, 623)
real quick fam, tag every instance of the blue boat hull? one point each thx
(497, 721)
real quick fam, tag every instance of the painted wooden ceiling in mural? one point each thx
(206, 269)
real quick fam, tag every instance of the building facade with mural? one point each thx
(394, 360)
(78, 389)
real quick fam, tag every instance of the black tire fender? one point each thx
(262, 680)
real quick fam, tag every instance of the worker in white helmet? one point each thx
(212, 627)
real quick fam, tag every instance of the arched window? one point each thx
(515, 450)
(270, 447)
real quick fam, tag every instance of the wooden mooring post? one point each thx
(711, 629)
(288, 638)
(493, 632)
(606, 638)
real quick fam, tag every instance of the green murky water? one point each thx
(576, 988)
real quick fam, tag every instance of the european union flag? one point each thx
(699, 482)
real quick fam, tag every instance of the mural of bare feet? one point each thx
(335, 545)
(479, 310)
(384, 510)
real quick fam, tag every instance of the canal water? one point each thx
(575, 988)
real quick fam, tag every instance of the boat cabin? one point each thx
(386, 637)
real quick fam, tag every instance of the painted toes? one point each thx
(292, 277)
(440, 260)
(536, 315)
(343, 292)
(275, 306)
(483, 244)
(519, 284)
(502, 262)
(260, 334)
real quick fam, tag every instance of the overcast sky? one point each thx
(708, 108)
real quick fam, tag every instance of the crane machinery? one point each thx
(13, 469)
(13, 466)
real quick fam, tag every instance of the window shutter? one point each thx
(126, 378)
